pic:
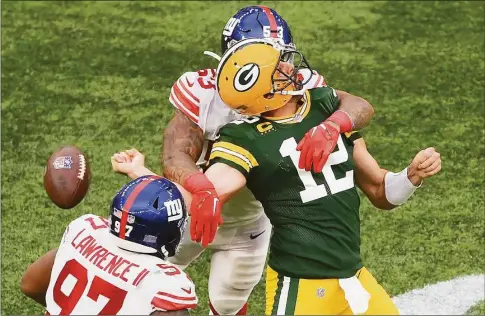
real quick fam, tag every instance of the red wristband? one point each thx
(198, 182)
(343, 120)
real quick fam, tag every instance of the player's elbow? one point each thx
(349, 101)
(382, 204)
(365, 106)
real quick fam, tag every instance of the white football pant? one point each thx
(237, 263)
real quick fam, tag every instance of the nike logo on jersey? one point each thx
(188, 83)
(257, 235)
(187, 291)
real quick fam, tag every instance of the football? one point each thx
(67, 177)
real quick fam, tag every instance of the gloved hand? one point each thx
(319, 142)
(205, 209)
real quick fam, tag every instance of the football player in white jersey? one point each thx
(117, 266)
(240, 245)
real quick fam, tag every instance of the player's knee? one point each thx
(248, 272)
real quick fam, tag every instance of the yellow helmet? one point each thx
(259, 75)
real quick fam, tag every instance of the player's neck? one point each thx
(288, 109)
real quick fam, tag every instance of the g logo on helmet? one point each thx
(246, 77)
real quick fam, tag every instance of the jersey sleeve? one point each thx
(316, 80)
(326, 98)
(353, 135)
(232, 148)
(191, 90)
(173, 292)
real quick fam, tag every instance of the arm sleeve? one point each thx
(233, 150)
(353, 135)
(184, 95)
(326, 98)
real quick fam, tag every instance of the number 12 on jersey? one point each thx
(313, 191)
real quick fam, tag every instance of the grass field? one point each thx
(98, 75)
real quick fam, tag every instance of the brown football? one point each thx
(67, 177)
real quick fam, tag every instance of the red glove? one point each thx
(319, 142)
(205, 209)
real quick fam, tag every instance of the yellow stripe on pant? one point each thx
(293, 296)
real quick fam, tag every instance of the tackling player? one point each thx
(117, 266)
(240, 245)
(315, 265)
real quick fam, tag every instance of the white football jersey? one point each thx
(195, 95)
(92, 276)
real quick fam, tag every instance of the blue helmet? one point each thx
(255, 22)
(148, 215)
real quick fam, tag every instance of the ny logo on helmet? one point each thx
(230, 26)
(174, 209)
(246, 77)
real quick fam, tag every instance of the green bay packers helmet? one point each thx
(259, 75)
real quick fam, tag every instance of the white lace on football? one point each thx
(82, 167)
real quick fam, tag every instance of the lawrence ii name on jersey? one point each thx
(195, 95)
(93, 276)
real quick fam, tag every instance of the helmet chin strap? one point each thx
(298, 92)
(214, 55)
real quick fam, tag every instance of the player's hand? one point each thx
(127, 162)
(427, 163)
(317, 144)
(205, 210)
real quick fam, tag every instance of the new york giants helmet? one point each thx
(255, 22)
(148, 215)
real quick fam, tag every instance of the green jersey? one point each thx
(315, 216)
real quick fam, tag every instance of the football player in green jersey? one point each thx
(314, 265)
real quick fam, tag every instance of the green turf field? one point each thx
(98, 75)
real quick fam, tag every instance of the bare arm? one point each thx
(36, 278)
(359, 110)
(370, 176)
(183, 312)
(226, 180)
(386, 189)
(183, 141)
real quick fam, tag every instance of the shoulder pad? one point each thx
(192, 90)
(316, 79)
(323, 93)
(87, 221)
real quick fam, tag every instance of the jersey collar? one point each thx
(300, 114)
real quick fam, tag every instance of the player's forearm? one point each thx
(374, 188)
(384, 189)
(179, 167)
(227, 180)
(183, 141)
(359, 110)
(140, 172)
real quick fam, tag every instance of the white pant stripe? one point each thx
(283, 296)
